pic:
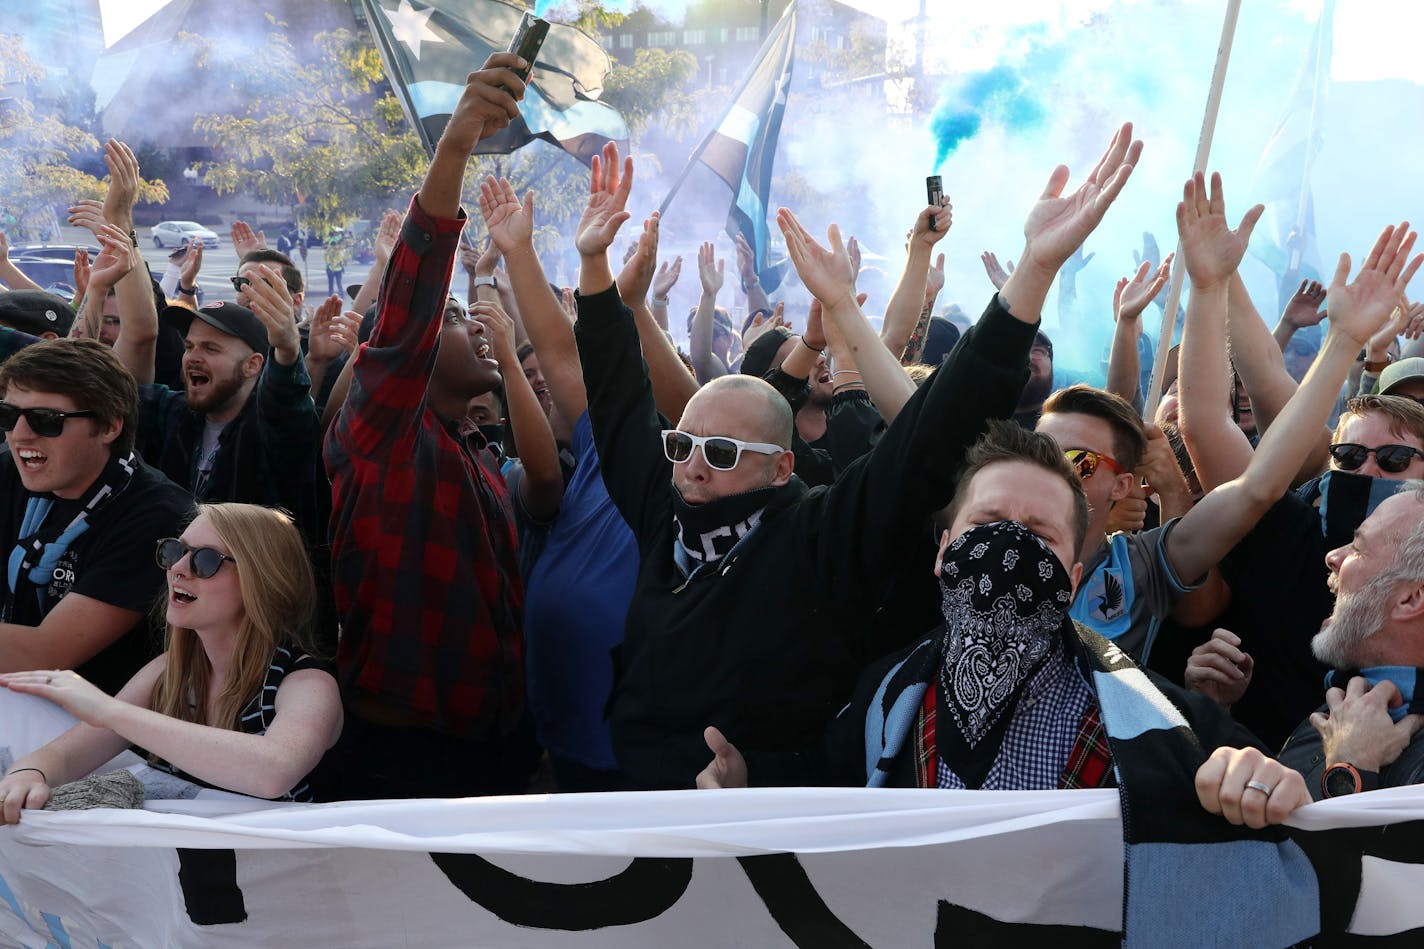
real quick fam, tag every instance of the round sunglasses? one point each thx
(1391, 458)
(720, 451)
(206, 561)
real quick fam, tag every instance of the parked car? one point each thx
(181, 234)
(54, 274)
(50, 251)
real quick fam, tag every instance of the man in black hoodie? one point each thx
(754, 593)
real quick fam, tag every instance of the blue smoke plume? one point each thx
(1000, 95)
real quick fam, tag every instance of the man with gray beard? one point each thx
(1367, 735)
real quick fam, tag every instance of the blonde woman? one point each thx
(237, 701)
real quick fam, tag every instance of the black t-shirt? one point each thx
(111, 561)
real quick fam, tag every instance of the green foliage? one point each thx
(658, 83)
(38, 148)
(325, 137)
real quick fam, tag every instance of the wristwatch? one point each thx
(485, 282)
(1344, 778)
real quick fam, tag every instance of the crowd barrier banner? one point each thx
(759, 867)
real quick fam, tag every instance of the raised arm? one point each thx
(712, 272)
(542, 487)
(1357, 310)
(908, 300)
(1130, 298)
(1301, 310)
(511, 226)
(827, 274)
(751, 281)
(385, 245)
(673, 385)
(1058, 225)
(1219, 450)
(10, 275)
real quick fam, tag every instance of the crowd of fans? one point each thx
(422, 547)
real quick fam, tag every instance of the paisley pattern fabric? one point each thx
(1004, 595)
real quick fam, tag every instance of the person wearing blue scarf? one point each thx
(1367, 735)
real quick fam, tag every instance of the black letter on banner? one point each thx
(961, 926)
(208, 879)
(647, 888)
(793, 902)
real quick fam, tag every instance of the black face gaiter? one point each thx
(707, 531)
(1005, 597)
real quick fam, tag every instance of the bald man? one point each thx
(755, 593)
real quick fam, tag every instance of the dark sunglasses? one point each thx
(46, 423)
(720, 451)
(239, 282)
(1391, 458)
(1086, 461)
(206, 561)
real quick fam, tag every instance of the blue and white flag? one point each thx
(430, 47)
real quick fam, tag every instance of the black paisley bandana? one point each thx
(1005, 597)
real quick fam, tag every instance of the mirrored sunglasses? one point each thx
(1085, 461)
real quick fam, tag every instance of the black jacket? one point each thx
(767, 645)
(1304, 752)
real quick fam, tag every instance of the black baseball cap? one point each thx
(227, 318)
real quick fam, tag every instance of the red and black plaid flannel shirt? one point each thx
(423, 543)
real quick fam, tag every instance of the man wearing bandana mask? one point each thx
(1010, 694)
(754, 593)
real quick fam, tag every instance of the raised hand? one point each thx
(1132, 295)
(762, 323)
(1413, 321)
(1150, 253)
(1057, 225)
(510, 222)
(1213, 250)
(123, 183)
(332, 331)
(1076, 261)
(607, 198)
(82, 269)
(826, 272)
(853, 252)
(191, 265)
(488, 261)
(1362, 307)
(941, 218)
(998, 275)
(638, 270)
(1304, 307)
(116, 258)
(711, 270)
(88, 214)
(934, 279)
(271, 302)
(1220, 669)
(489, 103)
(815, 335)
(746, 260)
(244, 241)
(666, 278)
(387, 234)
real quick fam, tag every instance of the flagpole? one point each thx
(702, 146)
(1179, 264)
(1297, 250)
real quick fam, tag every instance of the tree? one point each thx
(38, 149)
(325, 137)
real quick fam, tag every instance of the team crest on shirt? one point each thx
(62, 577)
(1105, 596)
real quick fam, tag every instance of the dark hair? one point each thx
(1129, 439)
(1006, 441)
(290, 273)
(84, 370)
(525, 350)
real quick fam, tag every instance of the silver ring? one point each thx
(1265, 789)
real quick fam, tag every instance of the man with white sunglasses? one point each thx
(755, 595)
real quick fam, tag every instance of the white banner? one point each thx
(760, 867)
